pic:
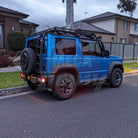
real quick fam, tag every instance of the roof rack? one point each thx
(82, 34)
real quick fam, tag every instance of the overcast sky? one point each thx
(52, 12)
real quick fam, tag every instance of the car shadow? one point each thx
(86, 89)
(80, 91)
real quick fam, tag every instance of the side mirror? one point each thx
(106, 53)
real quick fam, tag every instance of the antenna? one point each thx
(48, 27)
(85, 13)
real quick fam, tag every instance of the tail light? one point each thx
(41, 80)
(22, 75)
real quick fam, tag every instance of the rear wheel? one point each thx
(65, 86)
(116, 78)
(32, 85)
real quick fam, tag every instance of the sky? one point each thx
(51, 13)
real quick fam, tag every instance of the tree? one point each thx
(31, 30)
(127, 6)
(16, 40)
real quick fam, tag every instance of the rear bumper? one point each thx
(48, 80)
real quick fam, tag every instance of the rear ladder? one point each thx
(39, 53)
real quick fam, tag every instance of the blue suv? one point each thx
(60, 59)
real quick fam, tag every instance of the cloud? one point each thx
(53, 12)
(15, 5)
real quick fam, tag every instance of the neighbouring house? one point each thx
(105, 35)
(27, 27)
(111, 27)
(11, 20)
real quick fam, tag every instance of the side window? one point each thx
(65, 46)
(91, 48)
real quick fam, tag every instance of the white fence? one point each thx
(125, 51)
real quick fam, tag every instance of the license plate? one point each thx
(32, 79)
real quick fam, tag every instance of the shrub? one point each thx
(16, 40)
(5, 61)
(11, 53)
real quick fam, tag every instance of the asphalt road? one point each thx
(91, 113)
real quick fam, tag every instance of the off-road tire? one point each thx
(64, 86)
(28, 61)
(116, 78)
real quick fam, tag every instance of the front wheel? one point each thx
(65, 86)
(116, 78)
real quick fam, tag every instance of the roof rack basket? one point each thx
(82, 34)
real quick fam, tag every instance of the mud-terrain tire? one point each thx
(28, 61)
(32, 85)
(64, 86)
(116, 78)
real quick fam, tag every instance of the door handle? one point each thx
(85, 62)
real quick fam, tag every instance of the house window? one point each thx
(65, 46)
(122, 40)
(1, 37)
(136, 27)
(112, 39)
(125, 25)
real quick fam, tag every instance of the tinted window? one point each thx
(91, 48)
(65, 46)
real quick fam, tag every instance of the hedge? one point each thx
(16, 40)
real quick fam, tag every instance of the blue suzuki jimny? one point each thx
(60, 59)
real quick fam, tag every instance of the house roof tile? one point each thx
(27, 23)
(12, 12)
(108, 15)
(89, 27)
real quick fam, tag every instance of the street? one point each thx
(91, 113)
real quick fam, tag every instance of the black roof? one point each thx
(24, 22)
(88, 27)
(107, 15)
(12, 12)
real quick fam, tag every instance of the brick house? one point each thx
(112, 27)
(105, 35)
(11, 20)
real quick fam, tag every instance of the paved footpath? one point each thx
(10, 69)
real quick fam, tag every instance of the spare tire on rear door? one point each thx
(28, 61)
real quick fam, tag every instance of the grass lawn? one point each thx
(10, 79)
(126, 70)
(131, 65)
(128, 67)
